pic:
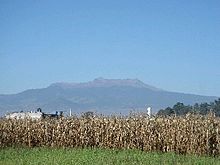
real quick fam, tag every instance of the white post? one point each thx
(70, 112)
(149, 111)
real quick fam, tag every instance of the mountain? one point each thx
(101, 82)
(102, 95)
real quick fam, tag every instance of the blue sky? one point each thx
(174, 45)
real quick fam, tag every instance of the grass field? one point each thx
(46, 156)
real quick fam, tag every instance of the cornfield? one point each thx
(185, 135)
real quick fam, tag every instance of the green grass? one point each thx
(46, 156)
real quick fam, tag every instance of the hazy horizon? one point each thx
(172, 45)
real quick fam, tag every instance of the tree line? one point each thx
(180, 109)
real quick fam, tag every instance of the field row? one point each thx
(185, 135)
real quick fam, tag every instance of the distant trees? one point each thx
(181, 109)
(88, 114)
(216, 107)
(166, 112)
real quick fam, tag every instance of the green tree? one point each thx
(181, 109)
(216, 108)
(166, 112)
(204, 108)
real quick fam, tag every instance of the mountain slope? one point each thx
(102, 95)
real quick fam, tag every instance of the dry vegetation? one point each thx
(185, 135)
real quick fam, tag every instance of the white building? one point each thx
(23, 115)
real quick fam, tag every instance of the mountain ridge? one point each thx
(102, 82)
(101, 95)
